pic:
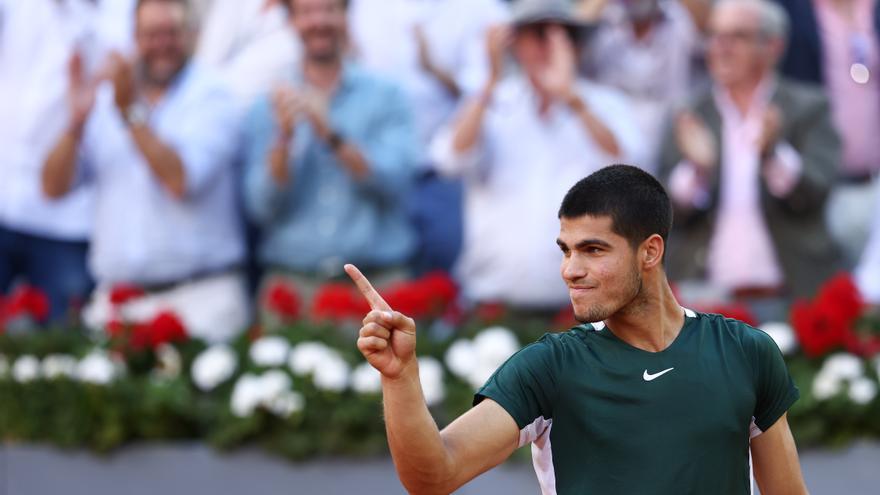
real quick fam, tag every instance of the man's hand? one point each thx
(80, 93)
(696, 142)
(387, 338)
(770, 130)
(124, 83)
(498, 39)
(557, 79)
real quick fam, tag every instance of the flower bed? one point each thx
(300, 388)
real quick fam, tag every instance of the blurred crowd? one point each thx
(202, 150)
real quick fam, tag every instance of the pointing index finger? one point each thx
(366, 288)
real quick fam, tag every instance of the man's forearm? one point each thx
(60, 165)
(162, 160)
(420, 455)
(598, 131)
(469, 125)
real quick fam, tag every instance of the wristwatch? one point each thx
(137, 114)
(335, 141)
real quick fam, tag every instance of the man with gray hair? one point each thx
(749, 165)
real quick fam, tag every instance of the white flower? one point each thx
(783, 335)
(332, 374)
(96, 368)
(270, 390)
(366, 380)
(431, 377)
(843, 366)
(214, 366)
(59, 365)
(168, 362)
(246, 395)
(286, 403)
(825, 386)
(480, 374)
(270, 351)
(26, 369)
(4, 366)
(305, 358)
(461, 357)
(862, 391)
(494, 345)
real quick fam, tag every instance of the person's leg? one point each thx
(848, 216)
(435, 207)
(59, 269)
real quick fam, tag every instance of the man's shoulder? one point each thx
(799, 96)
(741, 333)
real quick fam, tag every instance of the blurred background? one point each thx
(182, 181)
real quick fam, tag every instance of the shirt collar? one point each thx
(760, 98)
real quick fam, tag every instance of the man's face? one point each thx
(738, 51)
(532, 48)
(599, 267)
(163, 40)
(640, 10)
(321, 25)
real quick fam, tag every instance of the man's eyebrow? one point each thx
(584, 243)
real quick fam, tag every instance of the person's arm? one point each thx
(468, 125)
(59, 168)
(164, 161)
(426, 61)
(427, 460)
(775, 461)
(596, 129)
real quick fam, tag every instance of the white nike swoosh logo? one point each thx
(648, 377)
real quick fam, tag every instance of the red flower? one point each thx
(27, 300)
(116, 328)
(124, 293)
(337, 301)
(166, 327)
(828, 322)
(283, 300)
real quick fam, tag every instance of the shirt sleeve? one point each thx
(208, 140)
(525, 385)
(775, 391)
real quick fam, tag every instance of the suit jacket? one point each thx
(796, 223)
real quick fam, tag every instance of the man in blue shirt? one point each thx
(329, 161)
(158, 145)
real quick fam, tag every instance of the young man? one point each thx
(329, 161)
(653, 398)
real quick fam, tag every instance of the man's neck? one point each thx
(743, 94)
(322, 74)
(652, 322)
(642, 28)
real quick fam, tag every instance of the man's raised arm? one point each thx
(427, 460)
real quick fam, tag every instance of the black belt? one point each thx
(154, 287)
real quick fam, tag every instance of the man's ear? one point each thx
(651, 251)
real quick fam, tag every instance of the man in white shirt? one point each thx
(435, 51)
(42, 242)
(158, 145)
(749, 168)
(519, 144)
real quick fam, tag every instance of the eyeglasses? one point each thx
(541, 30)
(735, 36)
